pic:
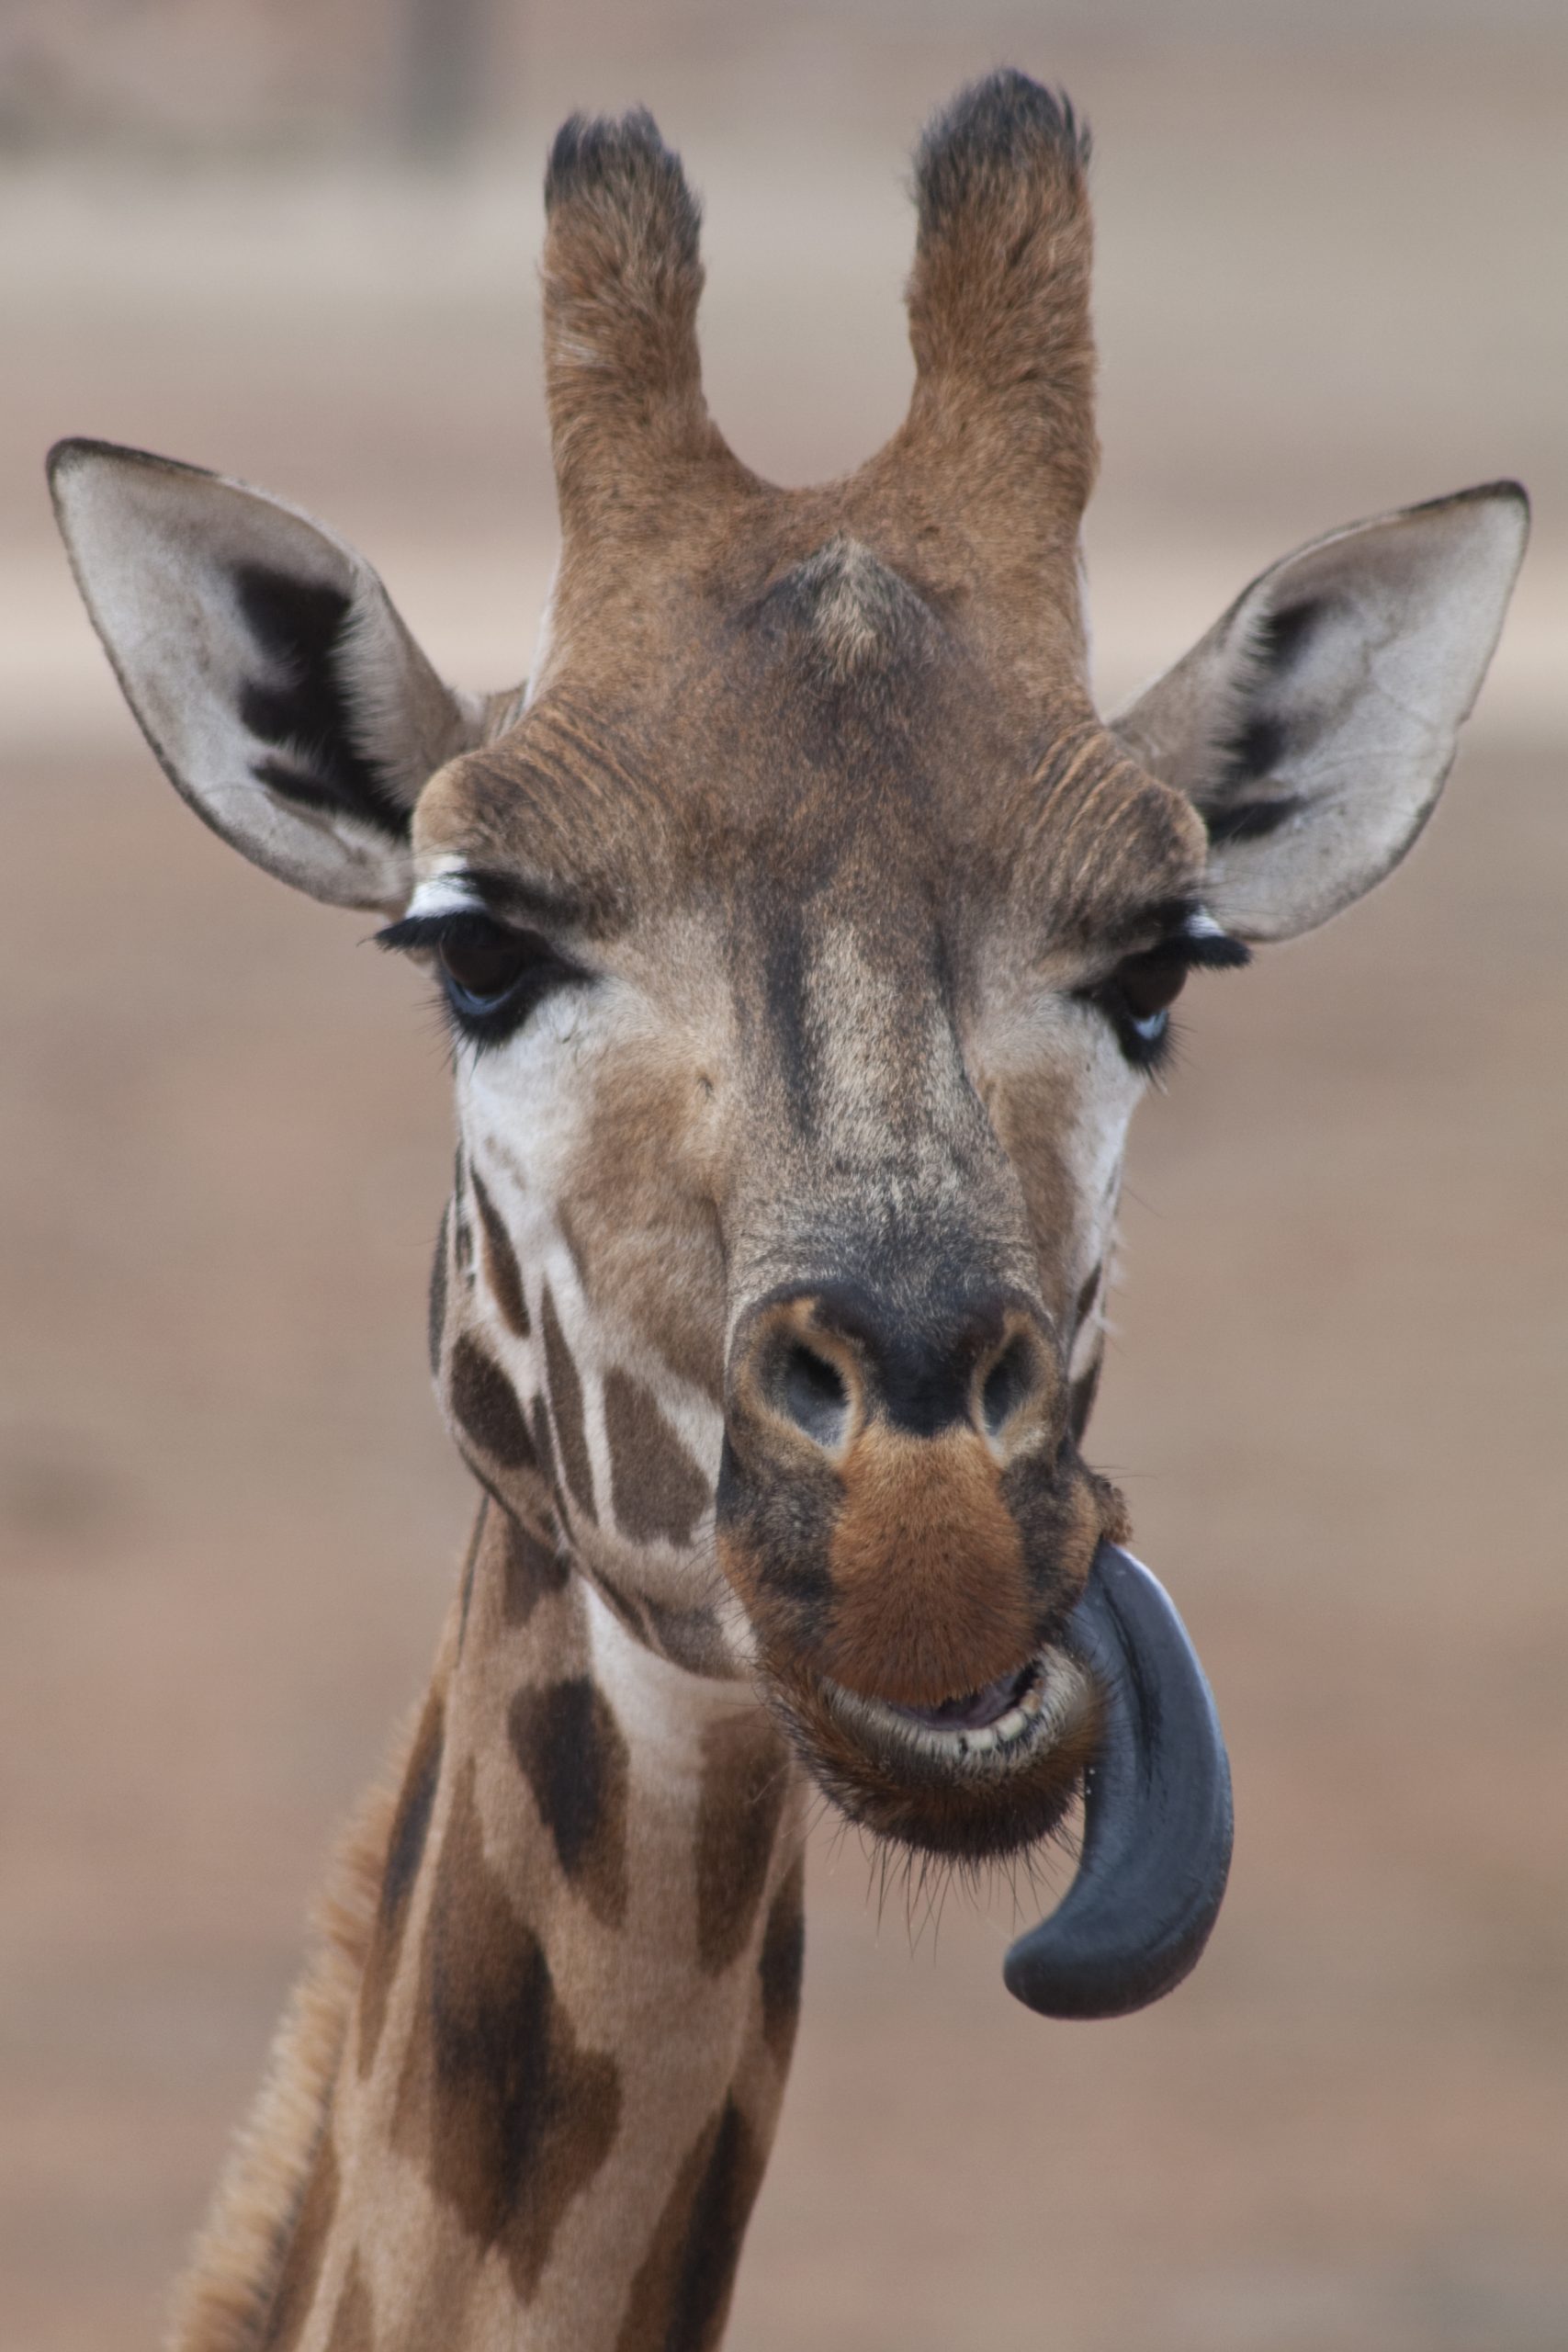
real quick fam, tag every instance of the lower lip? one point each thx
(1051, 1696)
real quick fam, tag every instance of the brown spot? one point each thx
(502, 1269)
(573, 1756)
(544, 1446)
(462, 1231)
(745, 1781)
(689, 1638)
(510, 2115)
(931, 1595)
(782, 1962)
(436, 1311)
(301, 2271)
(484, 1405)
(354, 2322)
(657, 1488)
(680, 2298)
(566, 1404)
(531, 1570)
(405, 1851)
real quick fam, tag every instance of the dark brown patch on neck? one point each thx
(573, 1756)
(657, 1488)
(405, 1851)
(502, 1270)
(301, 2271)
(745, 1781)
(782, 1962)
(510, 2116)
(566, 1405)
(680, 2298)
(531, 1570)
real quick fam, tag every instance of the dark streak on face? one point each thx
(502, 1269)
(656, 1488)
(484, 1405)
(566, 1405)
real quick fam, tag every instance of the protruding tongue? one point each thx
(1157, 1845)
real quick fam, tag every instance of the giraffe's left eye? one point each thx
(481, 963)
(1137, 998)
(493, 975)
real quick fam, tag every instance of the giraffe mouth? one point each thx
(997, 1726)
(982, 1774)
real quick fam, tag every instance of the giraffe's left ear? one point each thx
(1314, 724)
(269, 669)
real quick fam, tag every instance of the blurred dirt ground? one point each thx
(1331, 281)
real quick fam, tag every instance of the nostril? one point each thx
(1008, 1383)
(814, 1394)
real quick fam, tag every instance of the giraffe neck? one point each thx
(557, 2081)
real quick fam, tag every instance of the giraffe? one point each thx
(807, 939)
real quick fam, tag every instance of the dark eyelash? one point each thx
(1206, 951)
(424, 930)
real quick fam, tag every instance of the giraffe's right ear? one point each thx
(1314, 724)
(279, 690)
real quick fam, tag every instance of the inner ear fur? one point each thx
(1313, 726)
(269, 671)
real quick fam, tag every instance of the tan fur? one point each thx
(804, 1118)
(224, 2299)
(931, 1596)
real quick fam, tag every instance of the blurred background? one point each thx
(296, 239)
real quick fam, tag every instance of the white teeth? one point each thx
(1049, 1706)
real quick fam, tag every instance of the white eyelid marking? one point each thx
(1200, 924)
(447, 891)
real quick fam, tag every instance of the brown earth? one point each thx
(1331, 281)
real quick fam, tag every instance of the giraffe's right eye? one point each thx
(481, 963)
(493, 975)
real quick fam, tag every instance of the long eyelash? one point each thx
(1207, 950)
(425, 931)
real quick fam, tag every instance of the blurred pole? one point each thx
(441, 93)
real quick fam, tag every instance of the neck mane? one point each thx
(526, 2092)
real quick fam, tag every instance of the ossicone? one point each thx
(1002, 420)
(622, 278)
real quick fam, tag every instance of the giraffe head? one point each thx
(807, 939)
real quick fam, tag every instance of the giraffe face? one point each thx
(808, 941)
(800, 1006)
